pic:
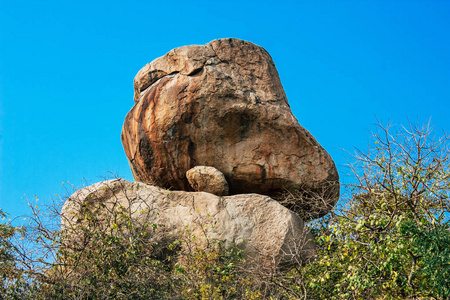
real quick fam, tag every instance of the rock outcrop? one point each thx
(222, 105)
(207, 179)
(269, 233)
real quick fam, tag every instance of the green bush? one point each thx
(390, 239)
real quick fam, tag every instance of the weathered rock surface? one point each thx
(267, 232)
(207, 179)
(222, 105)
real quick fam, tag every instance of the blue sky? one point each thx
(67, 69)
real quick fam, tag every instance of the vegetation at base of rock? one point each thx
(392, 236)
(388, 238)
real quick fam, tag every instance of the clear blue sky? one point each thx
(67, 69)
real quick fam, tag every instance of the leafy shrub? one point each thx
(390, 239)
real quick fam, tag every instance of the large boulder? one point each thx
(222, 105)
(268, 233)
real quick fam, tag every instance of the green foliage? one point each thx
(391, 240)
(7, 270)
(432, 248)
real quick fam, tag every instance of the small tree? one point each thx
(390, 240)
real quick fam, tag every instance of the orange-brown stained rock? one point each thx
(222, 105)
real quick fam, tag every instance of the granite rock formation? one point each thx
(222, 105)
(269, 234)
